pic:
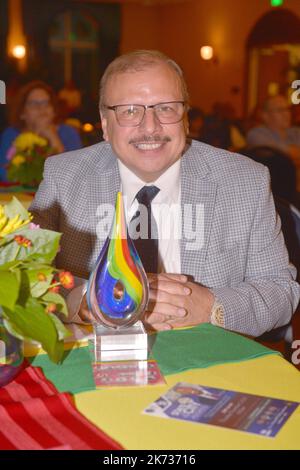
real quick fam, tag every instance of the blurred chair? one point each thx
(290, 220)
(284, 333)
(290, 224)
(282, 171)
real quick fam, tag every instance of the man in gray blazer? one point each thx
(230, 265)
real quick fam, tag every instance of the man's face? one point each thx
(278, 114)
(150, 148)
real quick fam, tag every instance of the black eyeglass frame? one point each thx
(145, 106)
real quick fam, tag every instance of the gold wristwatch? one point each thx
(217, 314)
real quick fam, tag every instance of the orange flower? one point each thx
(23, 241)
(55, 288)
(51, 308)
(66, 279)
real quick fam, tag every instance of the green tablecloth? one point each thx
(174, 350)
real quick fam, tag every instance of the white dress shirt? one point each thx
(165, 209)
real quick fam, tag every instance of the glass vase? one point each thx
(118, 287)
(11, 355)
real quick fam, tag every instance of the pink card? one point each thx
(127, 373)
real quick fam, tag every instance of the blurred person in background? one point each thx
(276, 130)
(71, 96)
(196, 121)
(295, 110)
(221, 129)
(35, 110)
(252, 120)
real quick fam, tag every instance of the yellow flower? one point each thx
(73, 122)
(28, 139)
(10, 225)
(3, 217)
(18, 160)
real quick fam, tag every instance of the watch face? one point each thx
(217, 315)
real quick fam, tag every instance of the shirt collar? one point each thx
(168, 183)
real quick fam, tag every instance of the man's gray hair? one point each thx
(137, 61)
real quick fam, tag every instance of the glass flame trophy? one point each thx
(118, 295)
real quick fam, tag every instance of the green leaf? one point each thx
(44, 247)
(24, 291)
(10, 265)
(9, 288)
(52, 297)
(37, 325)
(35, 264)
(14, 207)
(60, 328)
(12, 329)
(37, 287)
(3, 241)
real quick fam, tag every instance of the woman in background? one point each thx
(35, 110)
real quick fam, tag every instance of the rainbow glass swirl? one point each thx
(118, 286)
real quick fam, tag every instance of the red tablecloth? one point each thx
(35, 416)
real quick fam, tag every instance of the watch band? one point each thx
(217, 315)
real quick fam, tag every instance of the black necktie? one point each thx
(143, 224)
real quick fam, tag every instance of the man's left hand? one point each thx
(175, 302)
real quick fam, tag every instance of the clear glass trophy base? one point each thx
(127, 373)
(124, 344)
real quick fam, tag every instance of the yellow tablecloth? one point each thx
(118, 411)
(24, 198)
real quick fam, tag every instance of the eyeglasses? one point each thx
(38, 103)
(131, 115)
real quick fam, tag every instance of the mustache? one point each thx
(150, 139)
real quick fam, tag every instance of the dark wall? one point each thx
(38, 16)
(4, 72)
(3, 35)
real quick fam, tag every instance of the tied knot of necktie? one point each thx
(146, 195)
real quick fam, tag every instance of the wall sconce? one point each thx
(206, 52)
(19, 51)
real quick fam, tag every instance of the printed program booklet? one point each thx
(226, 408)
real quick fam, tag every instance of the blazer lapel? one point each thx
(198, 194)
(103, 187)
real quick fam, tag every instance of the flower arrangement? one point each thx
(29, 284)
(26, 158)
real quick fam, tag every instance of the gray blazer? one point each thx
(243, 258)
